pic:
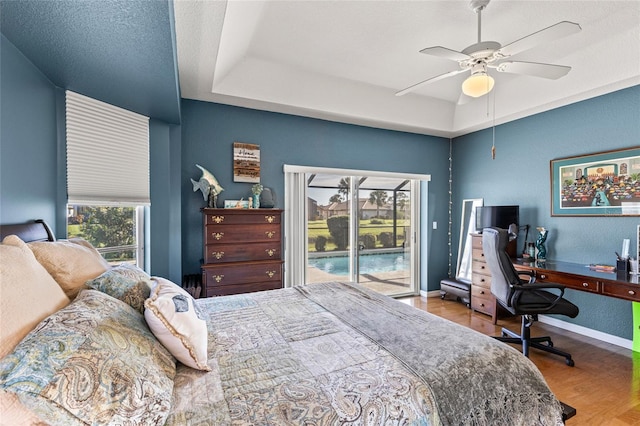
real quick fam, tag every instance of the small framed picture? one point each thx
(236, 204)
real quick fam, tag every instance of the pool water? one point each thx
(369, 263)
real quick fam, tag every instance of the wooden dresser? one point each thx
(481, 298)
(242, 250)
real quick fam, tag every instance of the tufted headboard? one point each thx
(38, 230)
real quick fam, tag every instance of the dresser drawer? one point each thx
(477, 255)
(624, 291)
(481, 268)
(486, 305)
(221, 253)
(224, 234)
(478, 291)
(476, 242)
(569, 281)
(241, 218)
(481, 280)
(242, 273)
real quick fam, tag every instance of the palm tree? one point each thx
(402, 199)
(343, 188)
(379, 198)
(335, 198)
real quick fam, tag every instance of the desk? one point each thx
(580, 277)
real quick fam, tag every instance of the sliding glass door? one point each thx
(362, 228)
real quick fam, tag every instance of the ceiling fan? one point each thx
(482, 55)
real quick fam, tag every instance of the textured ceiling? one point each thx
(344, 60)
(337, 60)
(120, 52)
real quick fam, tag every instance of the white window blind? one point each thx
(107, 153)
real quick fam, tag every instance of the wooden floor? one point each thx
(604, 385)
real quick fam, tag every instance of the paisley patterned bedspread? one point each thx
(336, 353)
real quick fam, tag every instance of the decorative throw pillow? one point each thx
(118, 282)
(93, 362)
(29, 293)
(176, 321)
(70, 263)
(130, 270)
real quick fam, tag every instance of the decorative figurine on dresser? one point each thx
(242, 250)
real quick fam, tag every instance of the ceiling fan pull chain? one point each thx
(493, 145)
(479, 24)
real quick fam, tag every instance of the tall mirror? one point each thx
(467, 226)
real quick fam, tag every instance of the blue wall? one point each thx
(520, 175)
(33, 169)
(208, 133)
(28, 140)
(165, 212)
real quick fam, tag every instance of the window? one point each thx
(114, 231)
(107, 177)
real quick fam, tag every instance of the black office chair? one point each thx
(520, 297)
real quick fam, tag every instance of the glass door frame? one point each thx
(296, 215)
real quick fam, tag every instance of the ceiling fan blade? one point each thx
(561, 29)
(443, 52)
(549, 71)
(428, 81)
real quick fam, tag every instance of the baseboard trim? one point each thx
(595, 334)
(432, 293)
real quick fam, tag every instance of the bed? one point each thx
(319, 354)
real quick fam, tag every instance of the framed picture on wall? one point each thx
(246, 162)
(600, 184)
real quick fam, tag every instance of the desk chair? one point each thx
(520, 297)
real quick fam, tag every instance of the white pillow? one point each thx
(177, 323)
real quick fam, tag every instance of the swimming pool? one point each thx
(369, 263)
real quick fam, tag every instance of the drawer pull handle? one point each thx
(482, 267)
(269, 234)
(270, 252)
(481, 280)
(218, 278)
(271, 273)
(218, 235)
(543, 277)
(218, 219)
(270, 219)
(632, 293)
(482, 305)
(218, 254)
(482, 292)
(585, 285)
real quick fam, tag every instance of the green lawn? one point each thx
(319, 227)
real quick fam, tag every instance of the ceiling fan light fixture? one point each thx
(478, 84)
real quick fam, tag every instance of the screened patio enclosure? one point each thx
(359, 228)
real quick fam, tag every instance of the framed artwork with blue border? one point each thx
(600, 184)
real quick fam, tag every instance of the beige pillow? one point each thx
(71, 263)
(28, 294)
(177, 323)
